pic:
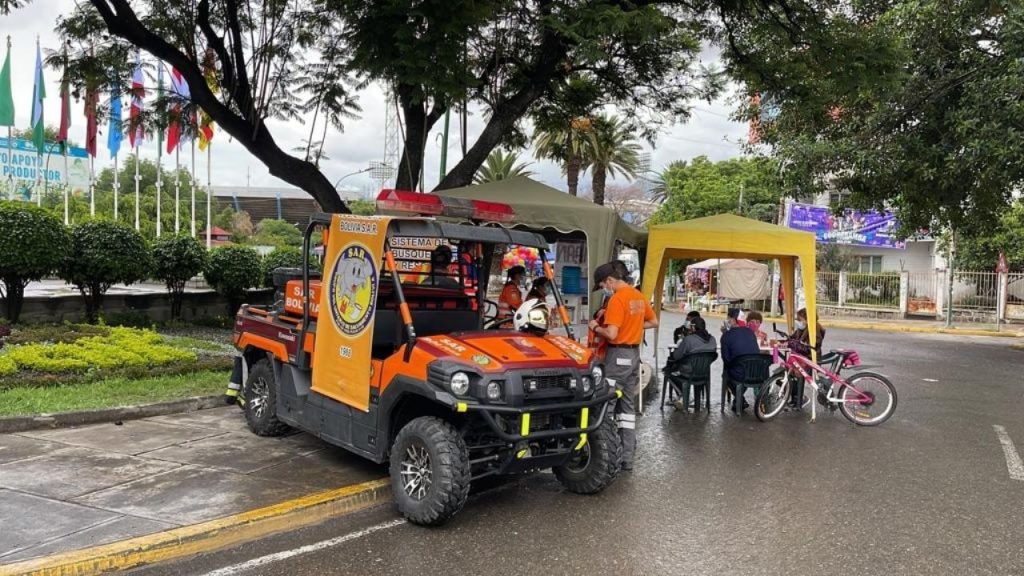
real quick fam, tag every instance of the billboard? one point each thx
(21, 161)
(852, 227)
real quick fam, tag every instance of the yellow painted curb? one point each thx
(207, 536)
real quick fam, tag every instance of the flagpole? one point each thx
(192, 176)
(10, 136)
(136, 183)
(116, 187)
(159, 148)
(39, 149)
(67, 186)
(177, 189)
(209, 193)
(92, 186)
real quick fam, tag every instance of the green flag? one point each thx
(38, 93)
(6, 98)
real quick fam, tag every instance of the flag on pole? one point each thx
(92, 97)
(137, 134)
(38, 94)
(159, 92)
(6, 96)
(181, 93)
(114, 135)
(65, 107)
(205, 122)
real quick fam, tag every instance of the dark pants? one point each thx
(622, 370)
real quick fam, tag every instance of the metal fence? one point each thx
(976, 291)
(923, 293)
(873, 291)
(828, 288)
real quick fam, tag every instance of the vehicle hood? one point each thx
(495, 350)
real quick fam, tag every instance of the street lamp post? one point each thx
(338, 182)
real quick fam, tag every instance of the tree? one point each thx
(979, 248)
(612, 150)
(912, 106)
(363, 207)
(565, 142)
(241, 227)
(512, 58)
(232, 271)
(176, 260)
(628, 201)
(33, 244)
(271, 232)
(501, 165)
(834, 258)
(49, 134)
(282, 257)
(746, 186)
(104, 253)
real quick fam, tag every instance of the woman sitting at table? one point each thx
(697, 339)
(800, 340)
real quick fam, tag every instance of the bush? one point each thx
(104, 253)
(130, 318)
(122, 348)
(176, 259)
(32, 244)
(66, 333)
(284, 257)
(7, 366)
(231, 271)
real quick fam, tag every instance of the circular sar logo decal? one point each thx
(353, 289)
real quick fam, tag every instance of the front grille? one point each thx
(549, 386)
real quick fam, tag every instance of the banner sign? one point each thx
(22, 161)
(853, 227)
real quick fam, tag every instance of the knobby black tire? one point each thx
(265, 423)
(848, 412)
(603, 452)
(763, 414)
(450, 471)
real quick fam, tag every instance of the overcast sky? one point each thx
(709, 132)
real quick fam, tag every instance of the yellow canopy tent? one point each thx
(730, 236)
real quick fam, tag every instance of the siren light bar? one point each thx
(406, 202)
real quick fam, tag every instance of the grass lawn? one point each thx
(112, 392)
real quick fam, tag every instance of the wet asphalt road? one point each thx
(928, 492)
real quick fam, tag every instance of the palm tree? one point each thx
(612, 151)
(567, 145)
(500, 165)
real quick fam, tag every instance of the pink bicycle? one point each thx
(865, 398)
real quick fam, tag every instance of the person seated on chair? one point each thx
(538, 289)
(732, 320)
(737, 341)
(754, 321)
(800, 340)
(511, 297)
(440, 261)
(686, 327)
(697, 339)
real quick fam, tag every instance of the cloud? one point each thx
(709, 132)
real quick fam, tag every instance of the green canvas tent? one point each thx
(544, 209)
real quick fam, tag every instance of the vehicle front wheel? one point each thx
(593, 467)
(429, 471)
(261, 401)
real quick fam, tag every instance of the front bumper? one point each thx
(583, 407)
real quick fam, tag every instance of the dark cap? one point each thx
(601, 273)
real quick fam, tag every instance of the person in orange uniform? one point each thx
(626, 316)
(511, 296)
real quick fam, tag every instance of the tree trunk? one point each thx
(600, 174)
(93, 296)
(15, 298)
(572, 172)
(418, 123)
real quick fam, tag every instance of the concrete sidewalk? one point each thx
(73, 488)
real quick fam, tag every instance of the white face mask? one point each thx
(801, 325)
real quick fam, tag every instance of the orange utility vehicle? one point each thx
(391, 361)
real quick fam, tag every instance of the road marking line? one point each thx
(271, 558)
(1013, 462)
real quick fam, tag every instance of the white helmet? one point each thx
(532, 316)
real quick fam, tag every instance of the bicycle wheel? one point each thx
(772, 398)
(876, 408)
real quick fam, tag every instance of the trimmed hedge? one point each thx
(123, 347)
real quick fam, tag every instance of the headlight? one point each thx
(459, 383)
(494, 391)
(598, 374)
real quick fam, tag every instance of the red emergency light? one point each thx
(406, 202)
